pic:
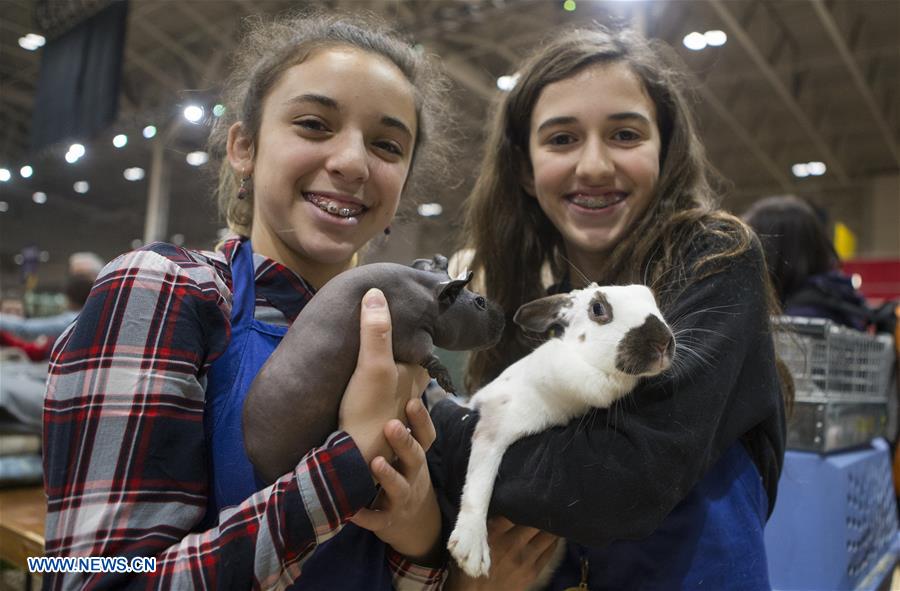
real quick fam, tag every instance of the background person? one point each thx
(803, 265)
(83, 270)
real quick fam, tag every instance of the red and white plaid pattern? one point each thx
(124, 449)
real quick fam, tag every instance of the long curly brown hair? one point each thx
(509, 256)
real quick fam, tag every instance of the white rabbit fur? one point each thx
(597, 359)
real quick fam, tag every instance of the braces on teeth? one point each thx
(333, 209)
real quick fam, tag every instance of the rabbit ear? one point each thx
(543, 314)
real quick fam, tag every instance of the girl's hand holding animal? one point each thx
(406, 515)
(367, 405)
(518, 555)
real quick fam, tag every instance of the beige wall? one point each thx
(881, 235)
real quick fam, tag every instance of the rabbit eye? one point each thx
(600, 309)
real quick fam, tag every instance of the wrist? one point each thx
(425, 547)
(371, 443)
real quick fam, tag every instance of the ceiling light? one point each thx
(75, 152)
(193, 113)
(800, 170)
(715, 38)
(805, 169)
(120, 140)
(177, 239)
(569, 6)
(149, 131)
(81, 187)
(197, 158)
(137, 243)
(694, 41)
(816, 168)
(219, 110)
(5, 175)
(507, 83)
(32, 41)
(430, 210)
(44, 257)
(19, 258)
(4, 206)
(26, 171)
(39, 197)
(134, 173)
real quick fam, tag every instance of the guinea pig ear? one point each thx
(543, 314)
(448, 291)
(439, 263)
(423, 265)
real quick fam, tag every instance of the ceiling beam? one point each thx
(856, 75)
(470, 77)
(486, 45)
(749, 46)
(171, 44)
(18, 97)
(223, 35)
(151, 69)
(807, 62)
(744, 136)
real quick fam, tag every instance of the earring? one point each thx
(387, 231)
(245, 188)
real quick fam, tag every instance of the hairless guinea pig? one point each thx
(293, 403)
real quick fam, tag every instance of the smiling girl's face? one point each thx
(594, 146)
(330, 161)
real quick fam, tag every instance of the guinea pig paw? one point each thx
(469, 547)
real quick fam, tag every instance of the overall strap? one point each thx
(243, 285)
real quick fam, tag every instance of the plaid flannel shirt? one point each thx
(124, 450)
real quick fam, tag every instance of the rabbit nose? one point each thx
(668, 349)
(665, 351)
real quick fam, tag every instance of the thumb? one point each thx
(375, 348)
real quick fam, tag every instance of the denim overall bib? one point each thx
(355, 558)
(712, 540)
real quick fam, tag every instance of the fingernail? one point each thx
(374, 299)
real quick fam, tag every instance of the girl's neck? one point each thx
(315, 273)
(583, 270)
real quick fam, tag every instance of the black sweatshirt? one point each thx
(618, 473)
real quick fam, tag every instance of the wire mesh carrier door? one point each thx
(843, 379)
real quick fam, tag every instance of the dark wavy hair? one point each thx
(794, 240)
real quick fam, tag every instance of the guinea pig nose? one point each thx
(480, 303)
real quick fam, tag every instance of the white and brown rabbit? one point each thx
(610, 338)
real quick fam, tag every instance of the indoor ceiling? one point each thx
(796, 81)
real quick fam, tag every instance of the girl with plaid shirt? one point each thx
(325, 118)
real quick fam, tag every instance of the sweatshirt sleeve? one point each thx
(617, 473)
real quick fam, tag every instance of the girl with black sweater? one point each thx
(594, 171)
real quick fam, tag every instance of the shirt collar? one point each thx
(277, 285)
